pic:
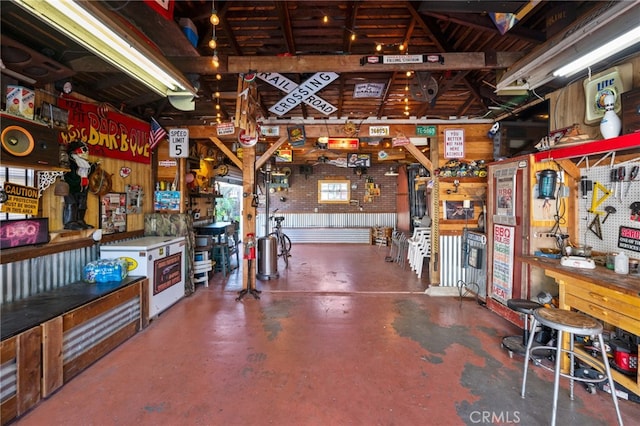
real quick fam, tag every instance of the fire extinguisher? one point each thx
(250, 247)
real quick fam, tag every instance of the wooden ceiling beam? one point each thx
(351, 63)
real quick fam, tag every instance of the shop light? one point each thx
(616, 45)
(598, 31)
(92, 28)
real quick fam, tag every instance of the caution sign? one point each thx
(20, 199)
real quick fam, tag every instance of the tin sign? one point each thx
(426, 130)
(454, 143)
(178, 143)
(378, 130)
(225, 129)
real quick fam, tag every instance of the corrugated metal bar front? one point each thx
(452, 271)
(32, 276)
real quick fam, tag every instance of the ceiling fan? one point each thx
(424, 88)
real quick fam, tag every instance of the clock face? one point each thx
(67, 88)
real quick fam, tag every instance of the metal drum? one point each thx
(267, 258)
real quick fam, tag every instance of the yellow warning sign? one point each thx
(20, 199)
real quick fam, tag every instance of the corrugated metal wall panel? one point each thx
(32, 276)
(87, 335)
(330, 227)
(330, 235)
(452, 269)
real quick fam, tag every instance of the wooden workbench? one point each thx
(601, 293)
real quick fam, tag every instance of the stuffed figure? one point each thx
(75, 204)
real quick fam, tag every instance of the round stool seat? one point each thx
(568, 321)
(524, 306)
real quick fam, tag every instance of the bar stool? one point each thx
(222, 258)
(573, 323)
(518, 344)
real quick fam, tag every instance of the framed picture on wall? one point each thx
(113, 213)
(355, 159)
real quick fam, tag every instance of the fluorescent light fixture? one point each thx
(616, 45)
(602, 25)
(94, 29)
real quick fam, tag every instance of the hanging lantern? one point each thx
(547, 184)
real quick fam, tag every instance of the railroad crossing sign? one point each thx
(305, 92)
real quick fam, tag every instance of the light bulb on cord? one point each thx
(215, 20)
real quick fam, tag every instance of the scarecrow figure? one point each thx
(75, 203)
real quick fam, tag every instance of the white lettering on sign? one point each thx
(305, 92)
(283, 83)
(178, 143)
(378, 130)
(223, 129)
(402, 59)
(454, 143)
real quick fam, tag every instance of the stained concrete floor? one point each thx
(340, 338)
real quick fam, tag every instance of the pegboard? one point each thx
(609, 225)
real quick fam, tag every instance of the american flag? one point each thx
(157, 134)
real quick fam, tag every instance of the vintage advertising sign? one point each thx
(225, 129)
(168, 272)
(343, 143)
(107, 133)
(454, 143)
(629, 238)
(402, 59)
(368, 90)
(503, 248)
(20, 199)
(305, 92)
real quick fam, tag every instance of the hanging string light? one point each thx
(215, 20)
(213, 43)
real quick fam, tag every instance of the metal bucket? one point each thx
(267, 258)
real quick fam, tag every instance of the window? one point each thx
(17, 176)
(334, 191)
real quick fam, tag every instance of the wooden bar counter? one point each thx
(612, 298)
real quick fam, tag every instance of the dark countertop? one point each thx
(21, 315)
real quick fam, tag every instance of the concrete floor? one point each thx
(340, 338)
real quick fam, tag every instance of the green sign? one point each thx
(426, 130)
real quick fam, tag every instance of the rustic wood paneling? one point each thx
(52, 340)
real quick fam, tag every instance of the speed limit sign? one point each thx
(178, 143)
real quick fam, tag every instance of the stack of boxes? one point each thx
(21, 101)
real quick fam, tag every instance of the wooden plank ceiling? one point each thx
(299, 38)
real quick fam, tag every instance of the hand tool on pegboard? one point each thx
(632, 176)
(594, 226)
(608, 210)
(621, 172)
(597, 199)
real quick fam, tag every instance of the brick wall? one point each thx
(302, 195)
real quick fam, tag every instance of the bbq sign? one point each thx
(629, 238)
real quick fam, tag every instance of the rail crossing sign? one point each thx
(305, 92)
